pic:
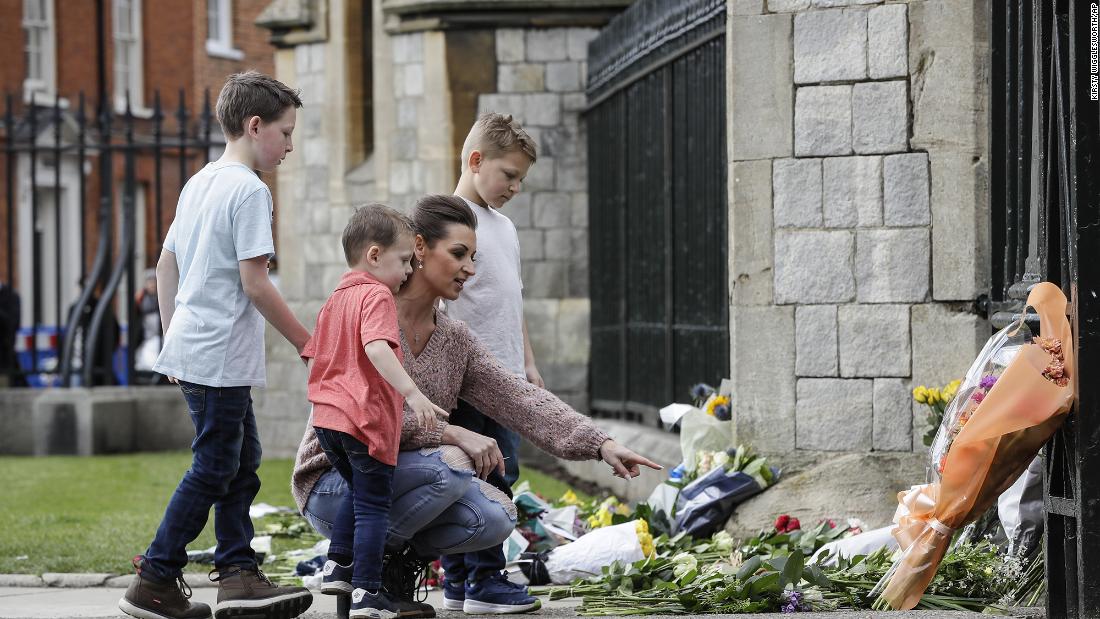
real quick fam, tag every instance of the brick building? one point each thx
(175, 50)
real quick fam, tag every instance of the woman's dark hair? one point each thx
(434, 212)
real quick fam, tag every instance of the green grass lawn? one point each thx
(74, 514)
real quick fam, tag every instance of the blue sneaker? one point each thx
(496, 595)
(336, 578)
(454, 593)
(377, 605)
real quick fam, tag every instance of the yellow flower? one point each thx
(716, 402)
(569, 498)
(920, 394)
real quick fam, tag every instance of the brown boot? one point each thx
(147, 598)
(244, 592)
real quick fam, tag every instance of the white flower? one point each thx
(683, 563)
(723, 542)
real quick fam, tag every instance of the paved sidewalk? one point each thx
(102, 603)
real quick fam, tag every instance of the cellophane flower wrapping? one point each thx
(1014, 397)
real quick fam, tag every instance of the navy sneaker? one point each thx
(454, 593)
(336, 578)
(496, 595)
(378, 605)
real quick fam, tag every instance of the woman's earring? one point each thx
(420, 265)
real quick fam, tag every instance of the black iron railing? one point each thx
(657, 203)
(148, 145)
(1045, 215)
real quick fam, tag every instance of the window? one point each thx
(126, 15)
(219, 30)
(38, 25)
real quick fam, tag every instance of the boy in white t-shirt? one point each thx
(496, 156)
(214, 296)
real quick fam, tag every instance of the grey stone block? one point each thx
(559, 244)
(541, 109)
(561, 141)
(815, 331)
(504, 103)
(413, 77)
(830, 46)
(408, 47)
(400, 177)
(888, 41)
(874, 340)
(781, 6)
(540, 176)
(519, 210)
(577, 40)
(880, 117)
(905, 190)
(796, 191)
(893, 421)
(827, 4)
(892, 265)
(541, 316)
(531, 244)
(814, 267)
(580, 210)
(407, 115)
(960, 227)
(761, 92)
(764, 397)
(745, 7)
(17, 421)
(546, 44)
(510, 45)
(21, 580)
(523, 77)
(658, 445)
(823, 121)
(574, 316)
(403, 145)
(544, 279)
(574, 102)
(563, 76)
(572, 174)
(578, 284)
(834, 414)
(751, 251)
(852, 194)
(553, 209)
(579, 241)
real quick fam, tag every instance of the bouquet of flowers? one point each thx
(1013, 398)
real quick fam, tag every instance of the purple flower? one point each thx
(794, 602)
(722, 412)
(987, 382)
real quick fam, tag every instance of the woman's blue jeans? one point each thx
(226, 456)
(436, 508)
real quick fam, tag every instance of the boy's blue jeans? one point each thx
(226, 456)
(481, 563)
(359, 531)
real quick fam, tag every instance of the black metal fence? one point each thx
(657, 201)
(1045, 215)
(125, 166)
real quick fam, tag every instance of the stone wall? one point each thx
(856, 199)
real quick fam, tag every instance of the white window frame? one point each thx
(220, 45)
(44, 87)
(136, 83)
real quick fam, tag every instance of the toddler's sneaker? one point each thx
(367, 605)
(454, 593)
(147, 598)
(244, 592)
(336, 578)
(496, 595)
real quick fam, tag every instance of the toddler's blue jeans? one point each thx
(359, 530)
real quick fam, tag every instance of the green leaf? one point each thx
(768, 582)
(792, 570)
(749, 567)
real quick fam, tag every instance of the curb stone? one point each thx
(83, 580)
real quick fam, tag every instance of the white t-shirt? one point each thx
(216, 337)
(491, 302)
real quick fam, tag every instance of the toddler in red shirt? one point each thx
(358, 387)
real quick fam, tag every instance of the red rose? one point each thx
(782, 522)
(832, 524)
(793, 525)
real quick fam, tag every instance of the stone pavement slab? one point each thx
(102, 603)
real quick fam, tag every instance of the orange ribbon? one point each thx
(915, 514)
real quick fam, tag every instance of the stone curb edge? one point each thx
(83, 580)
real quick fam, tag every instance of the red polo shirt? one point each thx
(347, 392)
